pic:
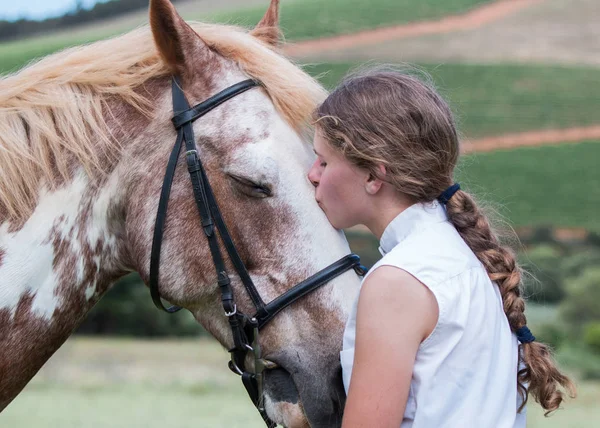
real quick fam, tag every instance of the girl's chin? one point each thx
(336, 224)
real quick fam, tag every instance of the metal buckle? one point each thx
(235, 366)
(191, 152)
(232, 313)
(360, 270)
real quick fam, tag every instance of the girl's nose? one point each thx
(313, 174)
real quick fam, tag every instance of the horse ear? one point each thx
(268, 29)
(177, 43)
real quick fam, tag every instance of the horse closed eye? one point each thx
(250, 188)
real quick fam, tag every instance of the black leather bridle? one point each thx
(245, 329)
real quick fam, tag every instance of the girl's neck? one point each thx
(384, 209)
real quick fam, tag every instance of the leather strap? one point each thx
(249, 382)
(205, 200)
(188, 115)
(351, 261)
(208, 210)
(234, 256)
(159, 225)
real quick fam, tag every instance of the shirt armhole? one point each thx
(439, 298)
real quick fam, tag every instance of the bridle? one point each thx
(245, 329)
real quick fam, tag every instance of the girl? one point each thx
(438, 335)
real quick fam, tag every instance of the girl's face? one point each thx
(339, 185)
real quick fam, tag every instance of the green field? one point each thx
(309, 19)
(102, 383)
(549, 185)
(300, 19)
(124, 383)
(501, 99)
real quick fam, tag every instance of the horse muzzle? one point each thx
(300, 398)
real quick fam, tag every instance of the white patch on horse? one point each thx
(282, 150)
(284, 413)
(80, 267)
(28, 262)
(97, 228)
(90, 291)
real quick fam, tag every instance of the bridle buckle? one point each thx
(232, 313)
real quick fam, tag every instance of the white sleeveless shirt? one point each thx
(465, 371)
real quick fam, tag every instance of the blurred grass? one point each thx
(556, 185)
(159, 398)
(300, 19)
(504, 98)
(307, 19)
(578, 413)
(124, 383)
(129, 406)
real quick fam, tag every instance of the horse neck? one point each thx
(53, 268)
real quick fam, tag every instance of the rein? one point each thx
(245, 329)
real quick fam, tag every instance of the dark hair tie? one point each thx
(448, 193)
(524, 335)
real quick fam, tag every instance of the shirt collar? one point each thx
(415, 217)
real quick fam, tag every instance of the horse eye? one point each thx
(251, 188)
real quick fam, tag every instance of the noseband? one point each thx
(244, 328)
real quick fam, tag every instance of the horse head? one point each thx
(254, 152)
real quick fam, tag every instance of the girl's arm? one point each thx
(395, 314)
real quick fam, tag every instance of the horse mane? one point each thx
(54, 109)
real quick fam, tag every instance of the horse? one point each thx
(85, 135)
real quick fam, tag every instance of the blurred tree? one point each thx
(552, 334)
(578, 261)
(543, 280)
(127, 309)
(365, 245)
(591, 336)
(79, 15)
(580, 305)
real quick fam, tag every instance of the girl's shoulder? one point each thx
(432, 254)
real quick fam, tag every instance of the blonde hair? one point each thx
(55, 110)
(386, 117)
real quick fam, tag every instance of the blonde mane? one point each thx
(54, 109)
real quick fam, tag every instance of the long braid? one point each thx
(539, 376)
